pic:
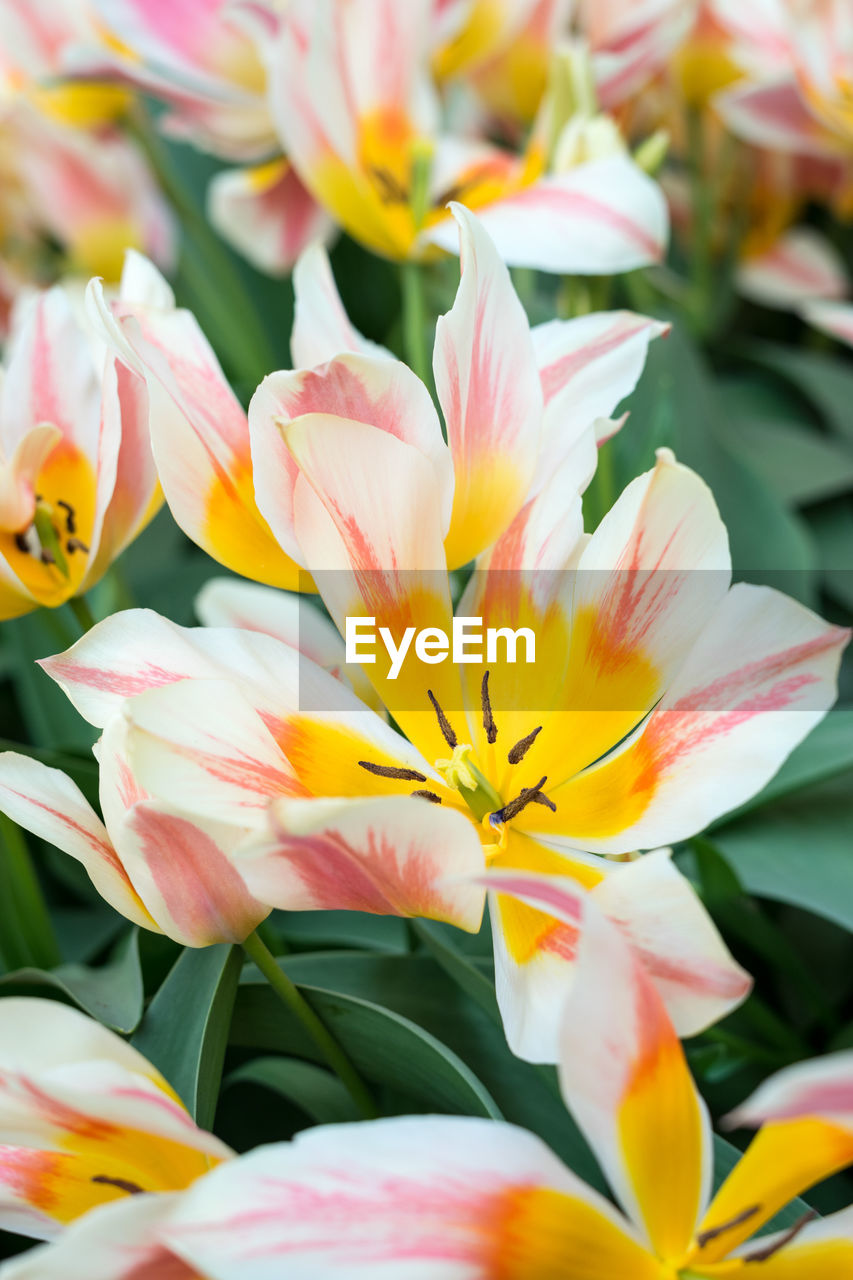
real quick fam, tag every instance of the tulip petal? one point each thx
(626, 1081)
(784, 1160)
(801, 265)
(201, 745)
(449, 1198)
(820, 1088)
(137, 650)
(587, 366)
(576, 223)
(385, 856)
(537, 923)
(266, 214)
(199, 436)
(821, 1251)
(114, 1242)
(772, 114)
(376, 390)
(719, 734)
(321, 327)
(46, 802)
(488, 386)
(835, 318)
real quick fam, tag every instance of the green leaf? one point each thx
(799, 464)
(319, 930)
(185, 1029)
(797, 851)
(677, 404)
(317, 1092)
(416, 989)
(832, 526)
(112, 993)
(385, 1047)
(439, 939)
(825, 381)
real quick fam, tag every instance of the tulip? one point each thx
(199, 431)
(835, 318)
(77, 480)
(463, 1197)
(203, 63)
(85, 1120)
(372, 151)
(637, 726)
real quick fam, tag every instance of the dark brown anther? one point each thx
(762, 1255)
(76, 544)
(443, 723)
(528, 795)
(541, 798)
(390, 190)
(70, 524)
(392, 771)
(428, 795)
(47, 556)
(713, 1233)
(488, 719)
(123, 1185)
(521, 748)
(21, 543)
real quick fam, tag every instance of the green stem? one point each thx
(27, 932)
(82, 613)
(414, 319)
(701, 255)
(334, 1055)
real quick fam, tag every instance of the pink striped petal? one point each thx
(773, 115)
(587, 367)
(822, 1088)
(386, 856)
(835, 318)
(625, 1079)
(721, 731)
(413, 1198)
(114, 1242)
(800, 266)
(266, 214)
(370, 389)
(201, 746)
(489, 390)
(653, 906)
(46, 802)
(137, 650)
(321, 326)
(598, 219)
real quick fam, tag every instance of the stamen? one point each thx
(488, 718)
(713, 1233)
(525, 797)
(521, 748)
(541, 798)
(443, 723)
(761, 1255)
(70, 525)
(391, 771)
(123, 1185)
(428, 795)
(46, 556)
(76, 544)
(21, 543)
(390, 190)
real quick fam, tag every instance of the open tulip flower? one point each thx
(636, 726)
(77, 479)
(84, 1120)
(454, 1198)
(373, 152)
